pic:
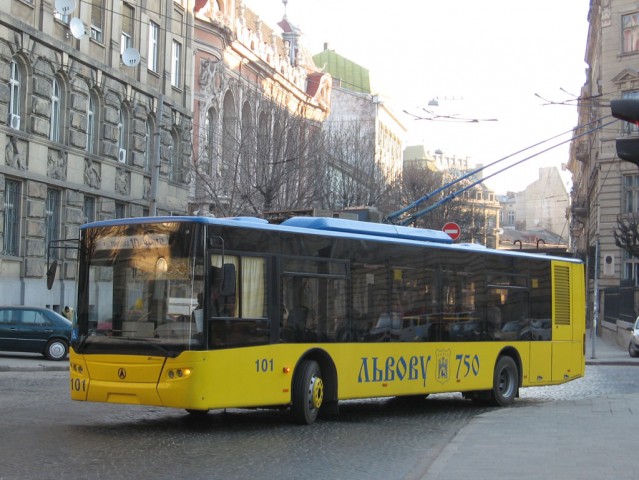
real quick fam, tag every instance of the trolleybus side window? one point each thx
(313, 300)
(237, 304)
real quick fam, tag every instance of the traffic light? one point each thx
(627, 109)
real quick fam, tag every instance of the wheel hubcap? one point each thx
(56, 350)
(316, 392)
(505, 383)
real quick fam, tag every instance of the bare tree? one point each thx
(454, 206)
(255, 162)
(627, 234)
(352, 175)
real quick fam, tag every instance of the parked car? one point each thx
(34, 330)
(633, 346)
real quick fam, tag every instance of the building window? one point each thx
(120, 210)
(631, 268)
(511, 217)
(630, 32)
(174, 152)
(52, 220)
(15, 96)
(11, 217)
(210, 129)
(97, 20)
(91, 123)
(60, 16)
(89, 209)
(56, 111)
(148, 150)
(631, 193)
(126, 40)
(176, 55)
(154, 37)
(122, 135)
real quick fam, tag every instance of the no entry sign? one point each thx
(452, 229)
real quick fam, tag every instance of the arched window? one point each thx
(15, 96)
(92, 122)
(56, 130)
(229, 135)
(210, 141)
(247, 132)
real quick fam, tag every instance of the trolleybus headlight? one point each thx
(179, 373)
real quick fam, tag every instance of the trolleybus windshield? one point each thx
(143, 285)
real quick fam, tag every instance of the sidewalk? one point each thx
(607, 353)
(585, 439)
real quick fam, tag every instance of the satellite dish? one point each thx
(131, 57)
(77, 27)
(65, 7)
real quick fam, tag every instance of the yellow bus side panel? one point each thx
(262, 376)
(567, 361)
(540, 363)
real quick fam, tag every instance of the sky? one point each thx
(517, 67)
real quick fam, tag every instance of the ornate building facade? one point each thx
(90, 132)
(605, 188)
(258, 100)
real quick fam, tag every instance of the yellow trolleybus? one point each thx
(201, 313)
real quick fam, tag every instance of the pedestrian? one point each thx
(68, 313)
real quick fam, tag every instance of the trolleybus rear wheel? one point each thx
(308, 392)
(505, 382)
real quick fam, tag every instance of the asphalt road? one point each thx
(47, 436)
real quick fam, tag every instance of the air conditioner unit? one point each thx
(14, 121)
(122, 155)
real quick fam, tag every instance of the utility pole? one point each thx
(595, 318)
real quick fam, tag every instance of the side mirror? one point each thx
(51, 274)
(228, 280)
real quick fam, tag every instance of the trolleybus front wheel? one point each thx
(308, 392)
(505, 382)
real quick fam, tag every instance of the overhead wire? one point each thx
(413, 217)
(480, 169)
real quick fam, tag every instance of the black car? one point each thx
(34, 330)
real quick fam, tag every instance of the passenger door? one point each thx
(34, 330)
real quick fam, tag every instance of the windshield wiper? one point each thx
(151, 343)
